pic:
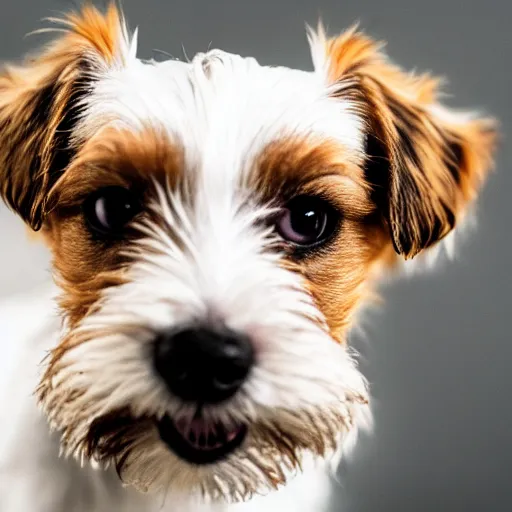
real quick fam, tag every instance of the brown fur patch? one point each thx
(287, 166)
(38, 108)
(119, 157)
(432, 166)
(101, 32)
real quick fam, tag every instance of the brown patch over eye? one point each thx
(106, 187)
(328, 218)
(287, 164)
(119, 158)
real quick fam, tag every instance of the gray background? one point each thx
(438, 354)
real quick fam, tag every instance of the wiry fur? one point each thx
(215, 148)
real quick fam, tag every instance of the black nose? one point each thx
(202, 364)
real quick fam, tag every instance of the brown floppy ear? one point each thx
(426, 162)
(40, 106)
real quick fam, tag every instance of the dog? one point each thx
(216, 227)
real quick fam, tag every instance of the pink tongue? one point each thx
(204, 435)
(231, 435)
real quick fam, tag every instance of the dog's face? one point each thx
(215, 225)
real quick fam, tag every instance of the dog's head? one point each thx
(215, 225)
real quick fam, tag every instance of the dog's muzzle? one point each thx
(202, 366)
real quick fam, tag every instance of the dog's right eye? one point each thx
(109, 209)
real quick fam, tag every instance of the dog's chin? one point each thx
(200, 441)
(230, 460)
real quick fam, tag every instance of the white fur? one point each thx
(220, 106)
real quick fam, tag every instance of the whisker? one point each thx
(164, 53)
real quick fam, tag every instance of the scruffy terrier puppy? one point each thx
(215, 226)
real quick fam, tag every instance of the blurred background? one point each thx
(438, 354)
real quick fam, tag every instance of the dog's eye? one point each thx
(109, 209)
(307, 220)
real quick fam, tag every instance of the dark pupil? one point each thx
(114, 209)
(306, 221)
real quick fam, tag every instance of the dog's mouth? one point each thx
(200, 441)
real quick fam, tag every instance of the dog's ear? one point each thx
(40, 104)
(426, 162)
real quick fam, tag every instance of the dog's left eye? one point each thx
(109, 209)
(307, 221)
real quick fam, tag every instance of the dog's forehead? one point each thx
(221, 102)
